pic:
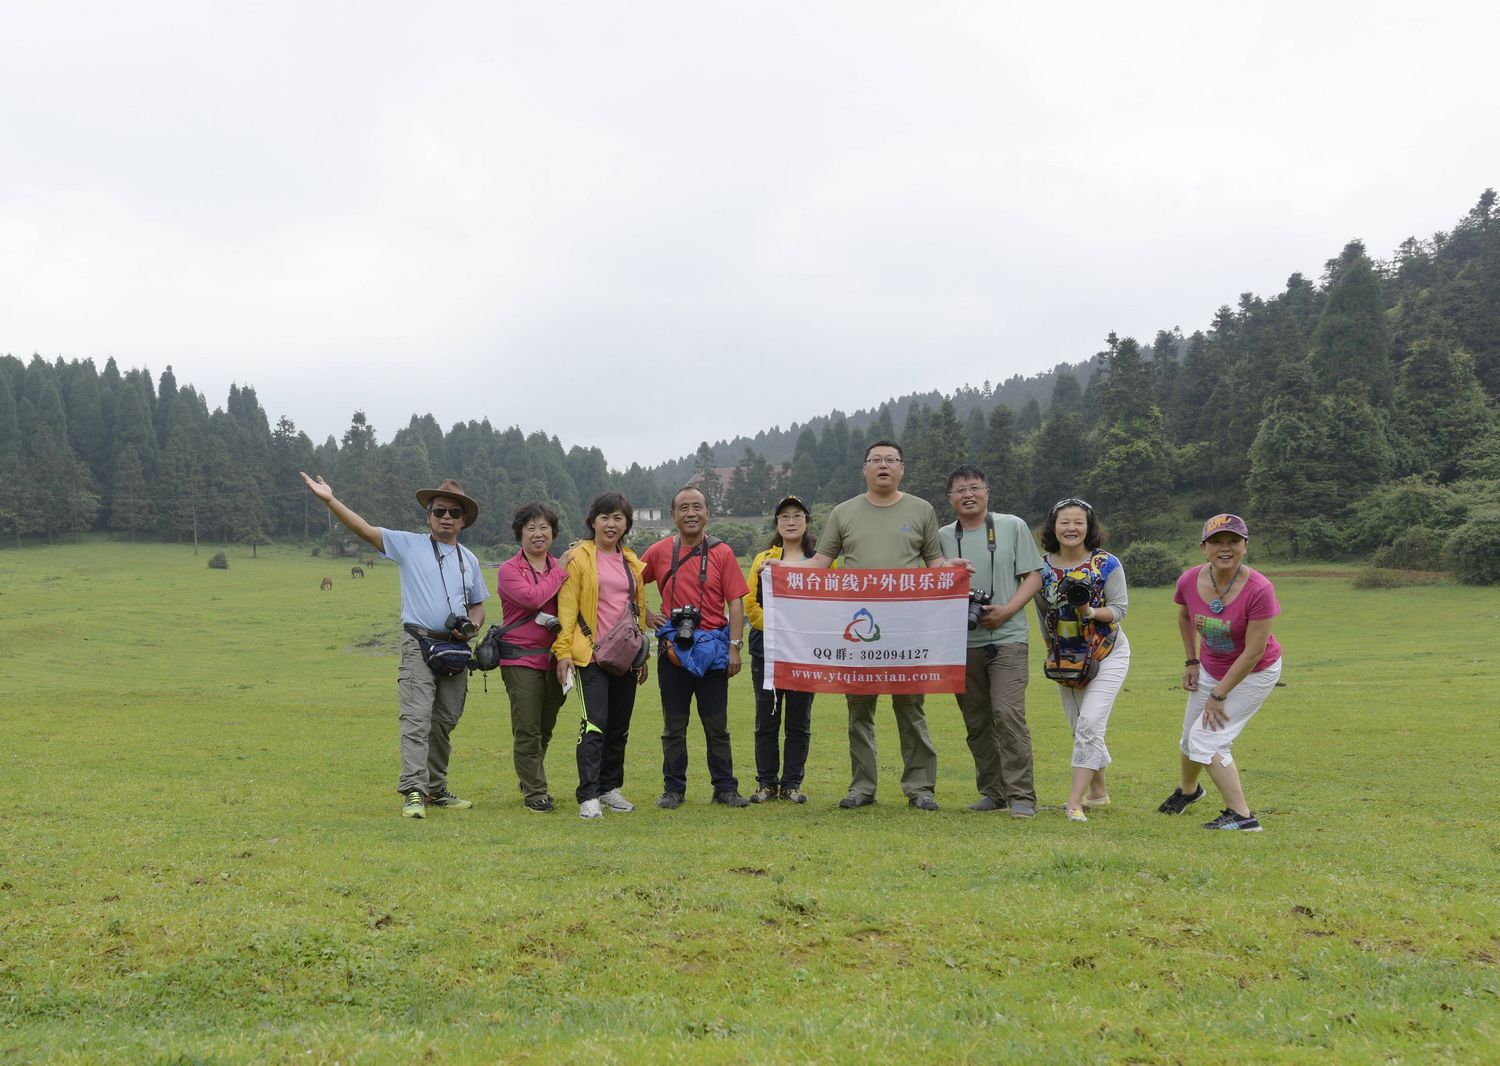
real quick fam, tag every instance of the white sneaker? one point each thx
(590, 809)
(616, 802)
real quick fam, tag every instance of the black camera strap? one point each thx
(989, 532)
(463, 574)
(701, 550)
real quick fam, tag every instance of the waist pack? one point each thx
(446, 658)
(495, 647)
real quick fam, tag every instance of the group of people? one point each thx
(560, 612)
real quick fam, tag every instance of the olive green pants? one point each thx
(535, 697)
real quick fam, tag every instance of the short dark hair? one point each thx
(608, 503)
(966, 470)
(691, 488)
(535, 509)
(1093, 537)
(884, 444)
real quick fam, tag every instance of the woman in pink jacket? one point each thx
(528, 585)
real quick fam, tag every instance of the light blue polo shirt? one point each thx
(429, 592)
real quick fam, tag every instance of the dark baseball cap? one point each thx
(793, 501)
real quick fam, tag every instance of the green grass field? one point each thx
(202, 859)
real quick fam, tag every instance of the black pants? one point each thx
(608, 703)
(772, 708)
(678, 689)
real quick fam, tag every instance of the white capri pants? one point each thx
(1088, 708)
(1200, 743)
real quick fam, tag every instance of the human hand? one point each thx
(734, 660)
(993, 616)
(1215, 716)
(656, 618)
(564, 671)
(643, 673)
(320, 488)
(1190, 679)
(959, 564)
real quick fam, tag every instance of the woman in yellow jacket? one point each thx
(603, 584)
(777, 776)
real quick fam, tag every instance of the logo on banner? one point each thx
(862, 629)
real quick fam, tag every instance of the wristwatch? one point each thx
(736, 643)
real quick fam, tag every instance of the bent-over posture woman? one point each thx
(1087, 622)
(1224, 612)
(777, 773)
(604, 584)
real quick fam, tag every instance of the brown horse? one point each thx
(327, 585)
(355, 571)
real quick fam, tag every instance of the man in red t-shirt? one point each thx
(702, 617)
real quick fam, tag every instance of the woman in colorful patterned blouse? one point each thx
(1081, 605)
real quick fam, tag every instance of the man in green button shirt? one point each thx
(1008, 566)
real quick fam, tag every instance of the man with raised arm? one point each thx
(1008, 571)
(442, 599)
(883, 528)
(700, 626)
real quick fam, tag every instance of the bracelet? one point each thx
(1215, 696)
(1190, 662)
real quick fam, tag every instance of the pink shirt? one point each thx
(1222, 636)
(614, 590)
(522, 593)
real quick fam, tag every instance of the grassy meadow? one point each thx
(202, 858)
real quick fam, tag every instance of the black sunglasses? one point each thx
(1072, 501)
(451, 512)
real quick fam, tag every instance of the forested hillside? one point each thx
(1350, 414)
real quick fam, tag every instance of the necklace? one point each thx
(1217, 606)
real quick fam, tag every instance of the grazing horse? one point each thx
(355, 571)
(327, 585)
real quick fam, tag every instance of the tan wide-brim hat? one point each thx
(454, 491)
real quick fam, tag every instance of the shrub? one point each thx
(219, 562)
(317, 549)
(1417, 548)
(1375, 577)
(1149, 564)
(1319, 538)
(1474, 549)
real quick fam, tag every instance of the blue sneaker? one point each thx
(1245, 823)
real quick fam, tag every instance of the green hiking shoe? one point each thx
(414, 807)
(443, 798)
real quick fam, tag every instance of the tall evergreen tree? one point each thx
(130, 505)
(1352, 341)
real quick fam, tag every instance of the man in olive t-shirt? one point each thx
(886, 528)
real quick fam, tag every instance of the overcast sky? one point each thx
(640, 225)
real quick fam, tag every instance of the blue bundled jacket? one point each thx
(710, 650)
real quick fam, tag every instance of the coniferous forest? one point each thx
(1348, 416)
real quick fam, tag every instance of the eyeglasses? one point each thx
(1072, 501)
(967, 490)
(451, 512)
(883, 460)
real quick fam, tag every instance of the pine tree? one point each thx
(130, 505)
(1352, 341)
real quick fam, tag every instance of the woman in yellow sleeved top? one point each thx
(603, 584)
(779, 774)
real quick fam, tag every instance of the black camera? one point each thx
(978, 601)
(686, 620)
(461, 623)
(549, 622)
(1075, 589)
